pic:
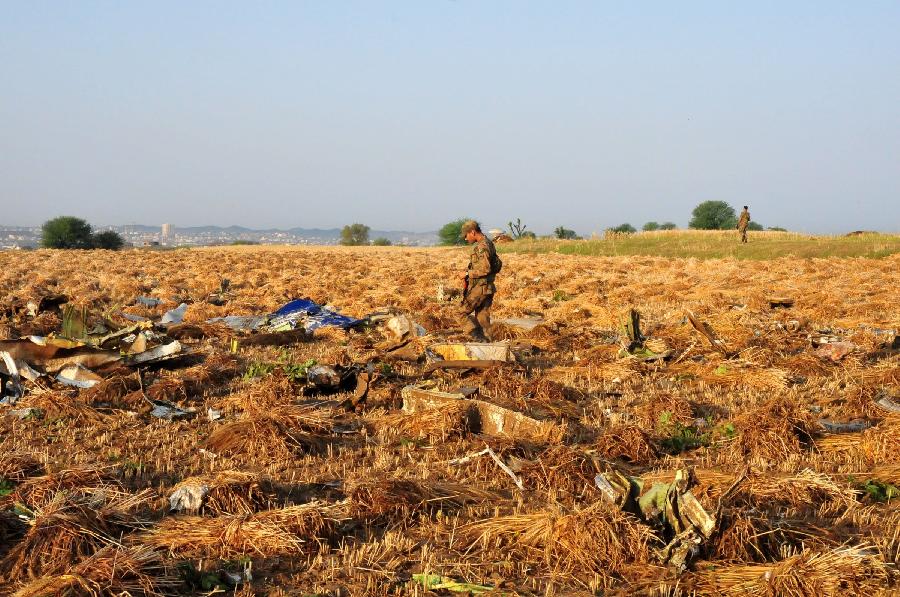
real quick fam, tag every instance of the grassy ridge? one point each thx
(714, 244)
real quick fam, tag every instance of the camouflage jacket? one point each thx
(482, 263)
(744, 220)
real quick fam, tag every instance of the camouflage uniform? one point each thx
(743, 222)
(476, 305)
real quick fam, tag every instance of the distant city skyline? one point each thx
(406, 115)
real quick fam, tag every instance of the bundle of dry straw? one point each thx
(72, 527)
(598, 540)
(111, 571)
(297, 529)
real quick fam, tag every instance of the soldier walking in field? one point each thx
(743, 222)
(479, 289)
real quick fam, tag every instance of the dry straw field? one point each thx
(776, 425)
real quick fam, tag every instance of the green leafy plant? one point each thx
(259, 369)
(6, 487)
(878, 491)
(294, 371)
(449, 232)
(297, 372)
(677, 437)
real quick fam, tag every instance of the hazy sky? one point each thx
(405, 115)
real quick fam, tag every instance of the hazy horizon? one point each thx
(407, 115)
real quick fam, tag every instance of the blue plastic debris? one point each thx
(303, 313)
(310, 314)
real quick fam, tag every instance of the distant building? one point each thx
(166, 235)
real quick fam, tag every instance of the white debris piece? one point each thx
(175, 316)
(188, 497)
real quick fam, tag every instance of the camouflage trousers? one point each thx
(743, 232)
(475, 311)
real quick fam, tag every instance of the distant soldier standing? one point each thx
(743, 222)
(478, 295)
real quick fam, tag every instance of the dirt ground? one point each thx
(314, 492)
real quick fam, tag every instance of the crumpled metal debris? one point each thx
(26, 413)
(148, 301)
(163, 409)
(471, 351)
(155, 354)
(54, 354)
(484, 417)
(188, 497)
(303, 313)
(848, 427)
(403, 327)
(78, 376)
(309, 314)
(887, 402)
(241, 323)
(174, 316)
(13, 389)
(670, 508)
(323, 376)
(635, 344)
(835, 351)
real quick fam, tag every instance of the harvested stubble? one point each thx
(113, 570)
(628, 442)
(37, 492)
(802, 492)
(17, 467)
(274, 433)
(874, 446)
(67, 406)
(72, 527)
(597, 540)
(195, 381)
(392, 497)
(663, 408)
(771, 435)
(112, 391)
(562, 471)
(435, 424)
(231, 492)
(811, 573)
(575, 376)
(293, 530)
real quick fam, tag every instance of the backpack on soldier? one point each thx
(496, 264)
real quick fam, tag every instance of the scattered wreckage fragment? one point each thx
(707, 332)
(471, 351)
(670, 508)
(886, 402)
(484, 417)
(638, 345)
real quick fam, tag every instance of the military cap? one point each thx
(468, 227)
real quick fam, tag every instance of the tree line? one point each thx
(68, 232)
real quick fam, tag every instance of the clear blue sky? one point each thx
(405, 115)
